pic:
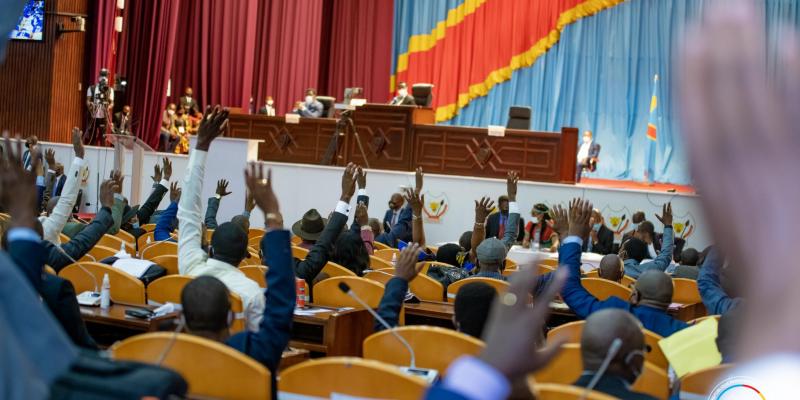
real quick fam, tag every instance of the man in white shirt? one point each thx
(99, 102)
(228, 243)
(54, 222)
(269, 108)
(587, 155)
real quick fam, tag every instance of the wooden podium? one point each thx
(402, 137)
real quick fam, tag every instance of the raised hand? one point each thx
(117, 177)
(50, 158)
(415, 199)
(77, 142)
(666, 215)
(482, 209)
(348, 182)
(222, 188)
(511, 185)
(361, 177)
(174, 192)
(167, 168)
(406, 267)
(418, 175)
(249, 202)
(560, 221)
(260, 186)
(580, 211)
(512, 354)
(213, 125)
(107, 190)
(362, 217)
(156, 173)
(17, 186)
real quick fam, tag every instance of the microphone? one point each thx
(612, 351)
(94, 279)
(85, 298)
(168, 347)
(428, 374)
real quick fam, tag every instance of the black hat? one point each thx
(311, 226)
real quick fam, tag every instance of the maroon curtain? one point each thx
(215, 50)
(150, 49)
(287, 50)
(361, 48)
(101, 32)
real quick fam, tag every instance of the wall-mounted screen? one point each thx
(31, 22)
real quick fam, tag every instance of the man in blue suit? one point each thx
(397, 217)
(310, 107)
(652, 293)
(587, 155)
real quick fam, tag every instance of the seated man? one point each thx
(611, 268)
(636, 219)
(269, 107)
(497, 222)
(601, 239)
(688, 266)
(310, 107)
(650, 297)
(392, 215)
(402, 98)
(602, 329)
(206, 306)
(309, 228)
(587, 155)
(228, 243)
(471, 308)
(717, 288)
(123, 124)
(166, 142)
(635, 250)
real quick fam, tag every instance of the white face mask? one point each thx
(269, 102)
(309, 99)
(171, 112)
(586, 139)
(402, 92)
(534, 220)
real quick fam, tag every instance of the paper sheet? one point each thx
(693, 348)
(133, 266)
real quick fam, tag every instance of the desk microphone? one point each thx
(428, 374)
(612, 351)
(85, 298)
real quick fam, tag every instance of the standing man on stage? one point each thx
(99, 101)
(189, 103)
(402, 98)
(587, 155)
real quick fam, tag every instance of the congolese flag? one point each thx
(650, 161)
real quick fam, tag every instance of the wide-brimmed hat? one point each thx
(310, 227)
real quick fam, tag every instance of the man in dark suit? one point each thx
(403, 98)
(189, 104)
(269, 108)
(601, 331)
(601, 239)
(587, 155)
(123, 124)
(496, 223)
(32, 145)
(392, 215)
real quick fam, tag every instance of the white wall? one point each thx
(301, 187)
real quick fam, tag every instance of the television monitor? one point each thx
(31, 22)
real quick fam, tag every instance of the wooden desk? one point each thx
(403, 137)
(115, 316)
(293, 356)
(332, 332)
(435, 313)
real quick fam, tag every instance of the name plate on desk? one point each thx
(292, 118)
(496, 130)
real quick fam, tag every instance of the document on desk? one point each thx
(310, 311)
(133, 266)
(693, 348)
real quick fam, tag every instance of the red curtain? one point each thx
(287, 51)
(361, 48)
(215, 50)
(150, 49)
(101, 32)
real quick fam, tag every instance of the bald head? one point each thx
(654, 289)
(611, 268)
(601, 329)
(396, 201)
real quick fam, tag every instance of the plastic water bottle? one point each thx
(122, 248)
(148, 240)
(394, 259)
(105, 293)
(535, 246)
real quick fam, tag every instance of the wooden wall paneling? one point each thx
(568, 151)
(386, 136)
(68, 93)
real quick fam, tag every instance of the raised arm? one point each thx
(119, 202)
(664, 259)
(510, 235)
(713, 294)
(406, 269)
(482, 210)
(267, 344)
(88, 237)
(579, 300)
(190, 206)
(54, 223)
(213, 204)
(316, 259)
(160, 188)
